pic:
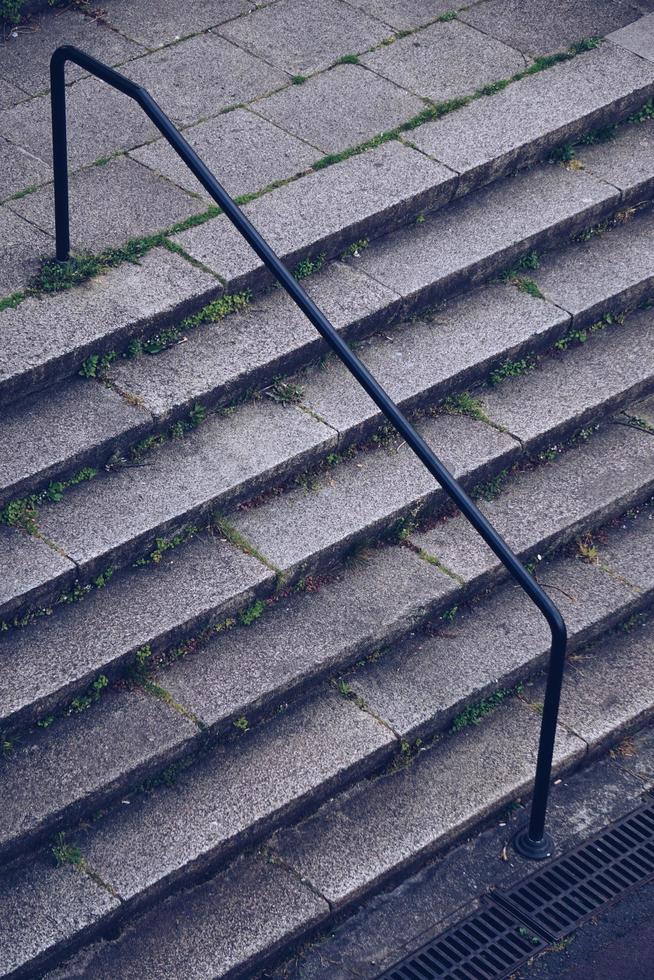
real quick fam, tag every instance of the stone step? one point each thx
(223, 360)
(361, 838)
(261, 443)
(303, 638)
(293, 533)
(364, 195)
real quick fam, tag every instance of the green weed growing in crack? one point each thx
(298, 79)
(580, 336)
(92, 696)
(164, 545)
(309, 267)
(645, 112)
(285, 392)
(465, 404)
(348, 59)
(633, 622)
(447, 16)
(252, 613)
(23, 513)
(450, 614)
(491, 489)
(475, 713)
(405, 756)
(510, 369)
(242, 724)
(64, 853)
(355, 249)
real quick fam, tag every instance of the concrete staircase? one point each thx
(253, 667)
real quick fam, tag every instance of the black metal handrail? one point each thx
(531, 841)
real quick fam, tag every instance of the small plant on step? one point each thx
(285, 392)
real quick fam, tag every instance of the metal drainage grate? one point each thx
(549, 904)
(490, 943)
(561, 896)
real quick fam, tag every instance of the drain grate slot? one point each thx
(490, 943)
(553, 901)
(563, 895)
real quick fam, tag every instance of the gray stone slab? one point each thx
(340, 108)
(326, 211)
(160, 22)
(610, 688)
(271, 336)
(597, 377)
(43, 909)
(22, 249)
(59, 431)
(609, 272)
(204, 582)
(301, 36)
(380, 597)
(389, 925)
(590, 484)
(538, 27)
(490, 137)
(445, 61)
(205, 930)
(643, 410)
(79, 763)
(425, 360)
(637, 36)
(120, 516)
(110, 204)
(356, 842)
(101, 121)
(25, 57)
(422, 685)
(10, 95)
(358, 499)
(634, 563)
(406, 14)
(30, 570)
(626, 162)
(48, 338)
(245, 152)
(639, 758)
(237, 791)
(19, 169)
(202, 75)
(483, 233)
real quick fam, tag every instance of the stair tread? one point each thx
(490, 136)
(207, 582)
(47, 338)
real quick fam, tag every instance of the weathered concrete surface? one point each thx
(204, 930)
(271, 336)
(325, 211)
(244, 152)
(22, 248)
(19, 169)
(627, 163)
(569, 390)
(30, 570)
(481, 234)
(491, 136)
(101, 121)
(445, 61)
(47, 339)
(111, 204)
(43, 908)
(339, 108)
(59, 430)
(10, 95)
(77, 764)
(239, 789)
(25, 57)
(379, 597)
(202, 75)
(425, 360)
(637, 36)
(539, 27)
(301, 36)
(120, 516)
(364, 837)
(358, 499)
(422, 685)
(205, 582)
(161, 22)
(607, 273)
(405, 14)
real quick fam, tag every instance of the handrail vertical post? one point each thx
(60, 156)
(533, 842)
